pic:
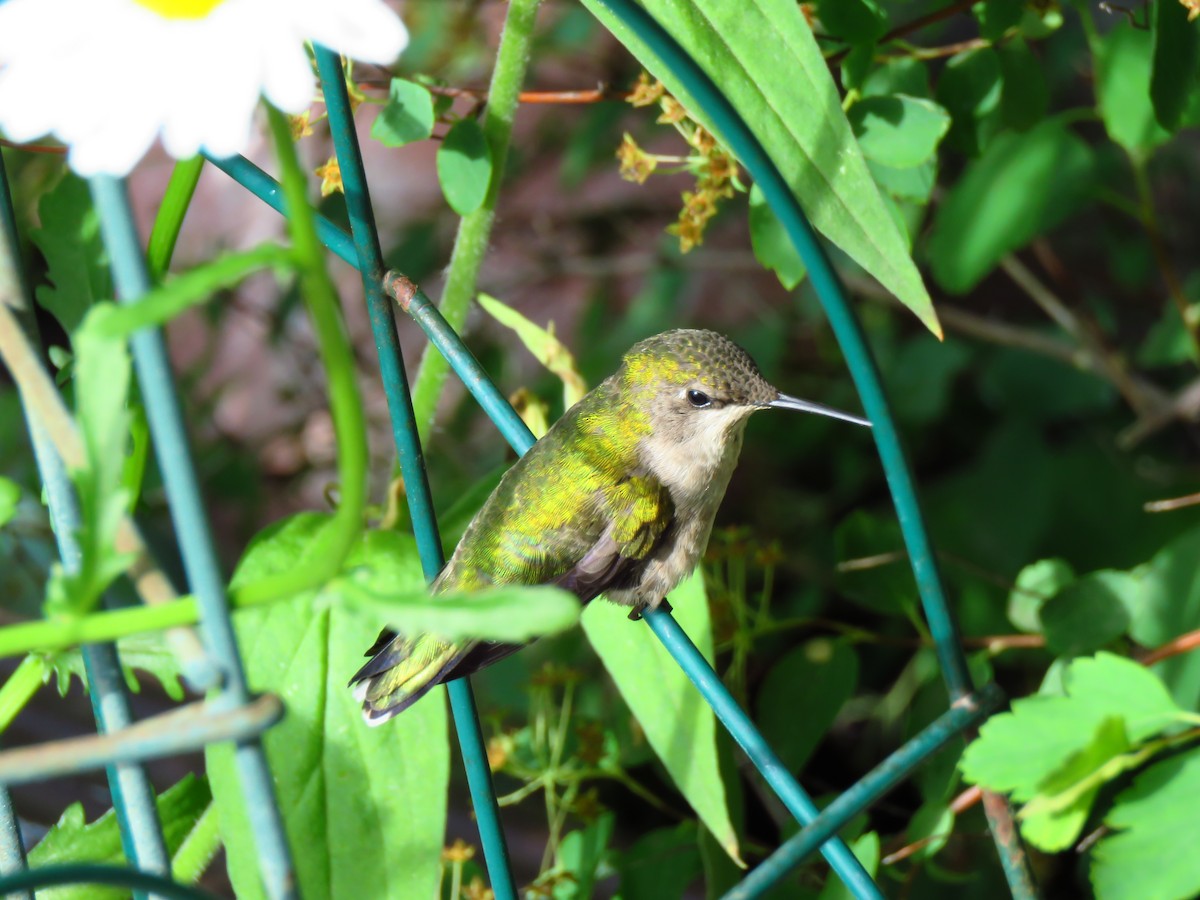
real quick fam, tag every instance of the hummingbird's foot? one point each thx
(636, 613)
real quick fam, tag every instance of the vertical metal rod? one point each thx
(408, 447)
(12, 846)
(191, 526)
(863, 369)
(967, 713)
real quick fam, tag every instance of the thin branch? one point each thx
(1155, 506)
(916, 24)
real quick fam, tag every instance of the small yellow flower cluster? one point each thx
(715, 169)
(1193, 8)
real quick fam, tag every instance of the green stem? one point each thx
(198, 848)
(168, 222)
(474, 231)
(345, 404)
(22, 684)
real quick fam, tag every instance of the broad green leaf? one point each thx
(1025, 96)
(898, 76)
(1090, 612)
(1052, 820)
(802, 695)
(1036, 584)
(997, 16)
(855, 21)
(661, 864)
(764, 59)
(898, 131)
(544, 345)
(772, 246)
(73, 840)
(1017, 751)
(1123, 89)
(10, 496)
(364, 808)
(678, 724)
(1024, 185)
(76, 261)
(1175, 62)
(406, 117)
(102, 375)
(580, 854)
(969, 88)
(1170, 606)
(464, 166)
(873, 564)
(1153, 850)
(913, 185)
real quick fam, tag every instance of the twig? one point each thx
(915, 25)
(1185, 406)
(1174, 503)
(1185, 643)
(597, 94)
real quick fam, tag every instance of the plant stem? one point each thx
(198, 848)
(20, 687)
(474, 231)
(176, 200)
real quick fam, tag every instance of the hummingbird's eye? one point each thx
(699, 399)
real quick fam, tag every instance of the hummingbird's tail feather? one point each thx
(402, 672)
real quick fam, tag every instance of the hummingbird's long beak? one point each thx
(783, 401)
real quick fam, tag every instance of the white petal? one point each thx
(367, 30)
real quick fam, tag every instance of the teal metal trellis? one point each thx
(131, 797)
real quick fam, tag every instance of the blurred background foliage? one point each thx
(1041, 160)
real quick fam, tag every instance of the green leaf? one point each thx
(1017, 751)
(1025, 97)
(772, 246)
(898, 131)
(913, 185)
(10, 496)
(367, 806)
(1024, 185)
(1169, 607)
(997, 16)
(969, 88)
(855, 21)
(580, 854)
(544, 345)
(898, 76)
(73, 840)
(464, 165)
(1036, 584)
(1175, 62)
(1053, 819)
(76, 261)
(102, 374)
(666, 703)
(764, 59)
(866, 849)
(802, 695)
(873, 564)
(1123, 89)
(1153, 853)
(661, 864)
(406, 117)
(933, 824)
(146, 652)
(1090, 612)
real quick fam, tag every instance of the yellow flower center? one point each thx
(180, 9)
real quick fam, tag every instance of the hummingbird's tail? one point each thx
(403, 669)
(401, 673)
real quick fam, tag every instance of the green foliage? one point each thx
(678, 724)
(347, 792)
(1123, 72)
(76, 262)
(1175, 60)
(764, 59)
(406, 117)
(1055, 752)
(73, 839)
(464, 164)
(898, 131)
(772, 246)
(10, 496)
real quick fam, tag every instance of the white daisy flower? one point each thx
(108, 77)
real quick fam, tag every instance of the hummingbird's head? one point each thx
(696, 389)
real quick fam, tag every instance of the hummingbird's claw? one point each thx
(636, 613)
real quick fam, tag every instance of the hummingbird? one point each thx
(617, 498)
